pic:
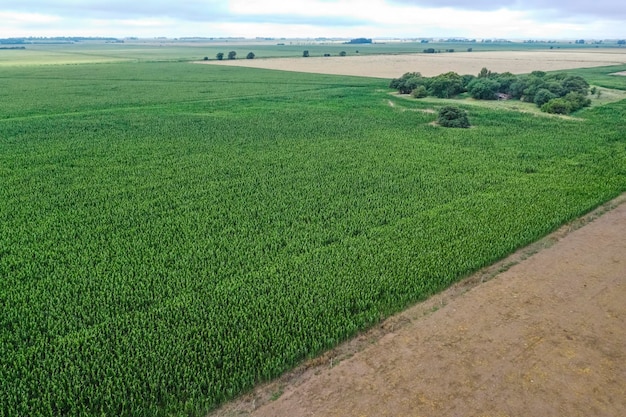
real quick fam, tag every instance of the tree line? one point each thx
(231, 55)
(558, 92)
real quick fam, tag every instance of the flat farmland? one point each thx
(391, 66)
(543, 338)
(172, 235)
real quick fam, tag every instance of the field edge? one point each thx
(269, 391)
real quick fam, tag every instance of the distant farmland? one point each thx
(390, 66)
(173, 234)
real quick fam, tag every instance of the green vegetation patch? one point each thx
(556, 93)
(172, 234)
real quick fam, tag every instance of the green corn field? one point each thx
(172, 234)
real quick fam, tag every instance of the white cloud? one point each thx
(307, 18)
(9, 17)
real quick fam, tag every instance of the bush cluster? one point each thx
(554, 93)
(451, 116)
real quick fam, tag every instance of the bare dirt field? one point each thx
(393, 66)
(546, 337)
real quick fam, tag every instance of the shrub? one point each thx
(577, 100)
(250, 55)
(419, 92)
(557, 106)
(342, 53)
(451, 116)
(220, 56)
(305, 54)
(232, 55)
(571, 102)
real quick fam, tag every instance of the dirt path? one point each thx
(546, 337)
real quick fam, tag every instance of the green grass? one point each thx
(171, 234)
(602, 77)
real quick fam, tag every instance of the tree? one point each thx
(446, 85)
(467, 78)
(220, 56)
(206, 58)
(506, 79)
(483, 88)
(531, 84)
(555, 87)
(575, 84)
(543, 95)
(342, 53)
(250, 55)
(232, 55)
(305, 54)
(408, 82)
(484, 73)
(451, 116)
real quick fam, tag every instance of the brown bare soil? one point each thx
(541, 333)
(392, 66)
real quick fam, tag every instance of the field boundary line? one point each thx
(269, 391)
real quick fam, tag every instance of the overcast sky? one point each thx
(512, 19)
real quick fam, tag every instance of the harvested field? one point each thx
(391, 66)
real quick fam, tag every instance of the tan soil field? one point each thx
(393, 66)
(546, 337)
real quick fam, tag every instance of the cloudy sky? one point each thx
(513, 19)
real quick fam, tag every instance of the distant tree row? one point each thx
(231, 55)
(553, 93)
(359, 41)
(306, 54)
(55, 39)
(434, 51)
